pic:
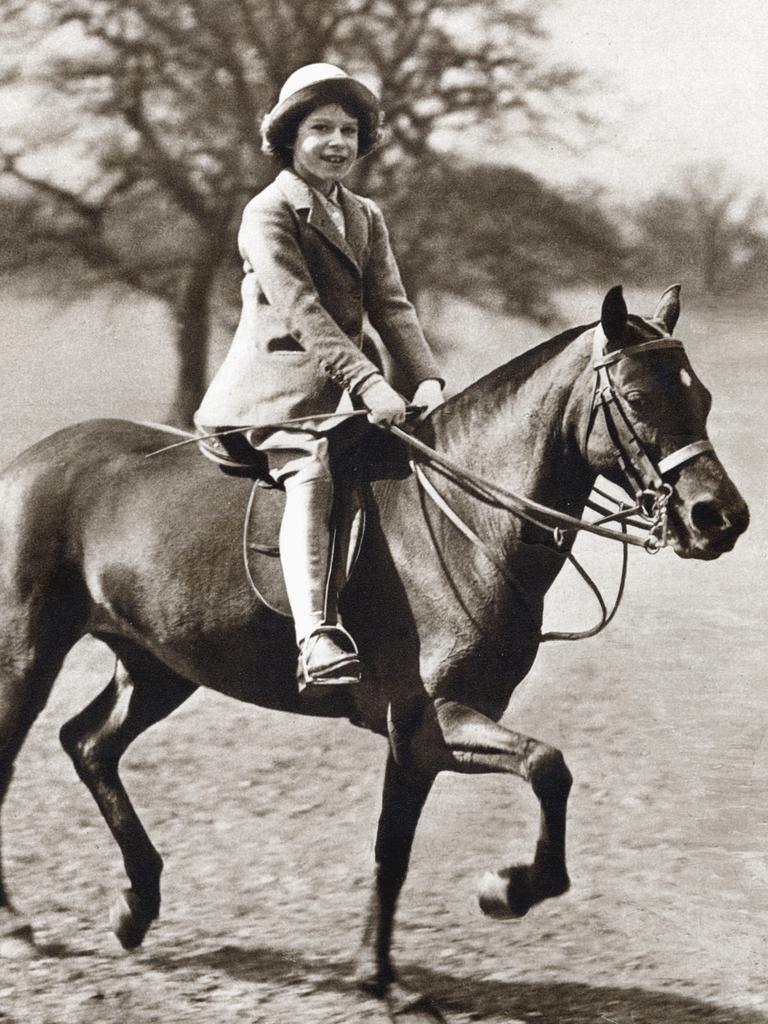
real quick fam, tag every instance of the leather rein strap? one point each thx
(652, 492)
(463, 527)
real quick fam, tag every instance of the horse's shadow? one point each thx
(482, 999)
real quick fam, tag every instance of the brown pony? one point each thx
(145, 554)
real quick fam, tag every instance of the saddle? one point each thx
(376, 456)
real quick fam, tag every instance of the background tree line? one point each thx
(145, 147)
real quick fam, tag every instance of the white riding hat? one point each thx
(317, 82)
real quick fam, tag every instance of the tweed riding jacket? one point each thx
(299, 342)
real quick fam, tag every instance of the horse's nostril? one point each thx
(706, 516)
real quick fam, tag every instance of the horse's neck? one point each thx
(521, 425)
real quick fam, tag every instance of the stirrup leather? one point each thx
(342, 670)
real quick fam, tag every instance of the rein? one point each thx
(652, 492)
(529, 510)
(451, 514)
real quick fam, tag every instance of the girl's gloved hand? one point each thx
(385, 405)
(428, 394)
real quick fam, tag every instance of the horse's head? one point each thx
(654, 414)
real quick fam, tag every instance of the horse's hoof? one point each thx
(19, 944)
(512, 892)
(130, 919)
(404, 1005)
(370, 985)
(505, 896)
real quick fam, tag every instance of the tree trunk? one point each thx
(192, 363)
(193, 319)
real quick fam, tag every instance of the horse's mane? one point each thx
(511, 374)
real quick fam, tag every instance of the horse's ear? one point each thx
(613, 316)
(668, 309)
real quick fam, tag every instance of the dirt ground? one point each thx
(266, 822)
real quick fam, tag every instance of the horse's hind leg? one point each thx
(96, 739)
(26, 679)
(454, 737)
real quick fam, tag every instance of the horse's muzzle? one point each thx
(708, 527)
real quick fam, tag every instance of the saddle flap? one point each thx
(261, 546)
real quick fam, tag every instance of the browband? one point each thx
(601, 358)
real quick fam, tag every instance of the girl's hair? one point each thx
(279, 127)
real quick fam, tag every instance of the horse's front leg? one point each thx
(404, 794)
(451, 736)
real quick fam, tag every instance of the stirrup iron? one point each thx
(343, 670)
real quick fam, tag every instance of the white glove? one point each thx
(383, 402)
(428, 394)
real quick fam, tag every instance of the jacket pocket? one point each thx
(285, 345)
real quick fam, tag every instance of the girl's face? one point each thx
(326, 146)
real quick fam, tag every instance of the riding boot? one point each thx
(328, 652)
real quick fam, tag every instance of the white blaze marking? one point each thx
(685, 377)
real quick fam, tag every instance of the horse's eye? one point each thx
(635, 399)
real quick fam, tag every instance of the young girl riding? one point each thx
(316, 259)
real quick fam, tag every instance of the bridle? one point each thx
(651, 492)
(645, 477)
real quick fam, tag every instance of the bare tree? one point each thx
(710, 227)
(145, 142)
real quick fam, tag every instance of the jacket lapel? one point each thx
(358, 231)
(302, 197)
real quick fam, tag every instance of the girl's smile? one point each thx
(326, 146)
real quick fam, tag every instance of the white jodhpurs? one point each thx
(299, 459)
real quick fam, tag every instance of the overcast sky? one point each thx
(681, 81)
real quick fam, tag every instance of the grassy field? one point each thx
(266, 822)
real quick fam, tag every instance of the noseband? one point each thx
(652, 493)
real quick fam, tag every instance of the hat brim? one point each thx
(331, 90)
